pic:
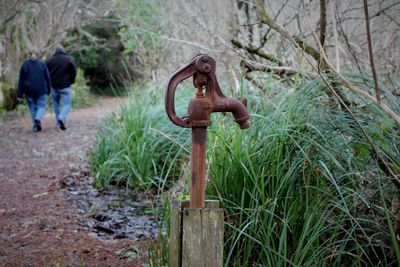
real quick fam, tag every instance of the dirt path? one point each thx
(39, 222)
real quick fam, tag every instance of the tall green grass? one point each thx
(138, 147)
(300, 187)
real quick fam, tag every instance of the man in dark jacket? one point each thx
(63, 73)
(34, 83)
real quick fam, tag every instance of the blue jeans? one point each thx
(61, 103)
(37, 107)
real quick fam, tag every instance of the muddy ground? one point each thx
(49, 213)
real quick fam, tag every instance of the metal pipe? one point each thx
(198, 167)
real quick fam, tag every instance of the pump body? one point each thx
(209, 98)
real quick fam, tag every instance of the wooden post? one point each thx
(196, 235)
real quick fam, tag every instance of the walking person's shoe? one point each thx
(36, 126)
(62, 125)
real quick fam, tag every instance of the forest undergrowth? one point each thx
(301, 187)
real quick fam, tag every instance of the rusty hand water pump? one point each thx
(209, 98)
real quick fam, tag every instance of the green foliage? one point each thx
(158, 251)
(9, 96)
(138, 148)
(98, 50)
(141, 33)
(300, 187)
(21, 110)
(81, 96)
(145, 16)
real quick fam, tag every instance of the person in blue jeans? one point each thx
(62, 70)
(35, 84)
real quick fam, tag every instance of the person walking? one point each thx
(62, 70)
(35, 84)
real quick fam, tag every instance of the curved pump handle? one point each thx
(180, 75)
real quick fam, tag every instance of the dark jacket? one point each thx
(62, 70)
(34, 79)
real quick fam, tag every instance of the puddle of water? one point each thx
(116, 212)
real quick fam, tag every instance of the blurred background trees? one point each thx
(37, 25)
(118, 42)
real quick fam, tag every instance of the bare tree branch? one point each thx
(357, 90)
(370, 53)
(281, 71)
(392, 19)
(320, 55)
(335, 37)
(265, 37)
(265, 18)
(322, 21)
(346, 39)
(204, 27)
(257, 51)
(14, 12)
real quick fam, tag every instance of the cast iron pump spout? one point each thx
(209, 98)
(238, 109)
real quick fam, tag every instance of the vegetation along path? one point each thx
(39, 221)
